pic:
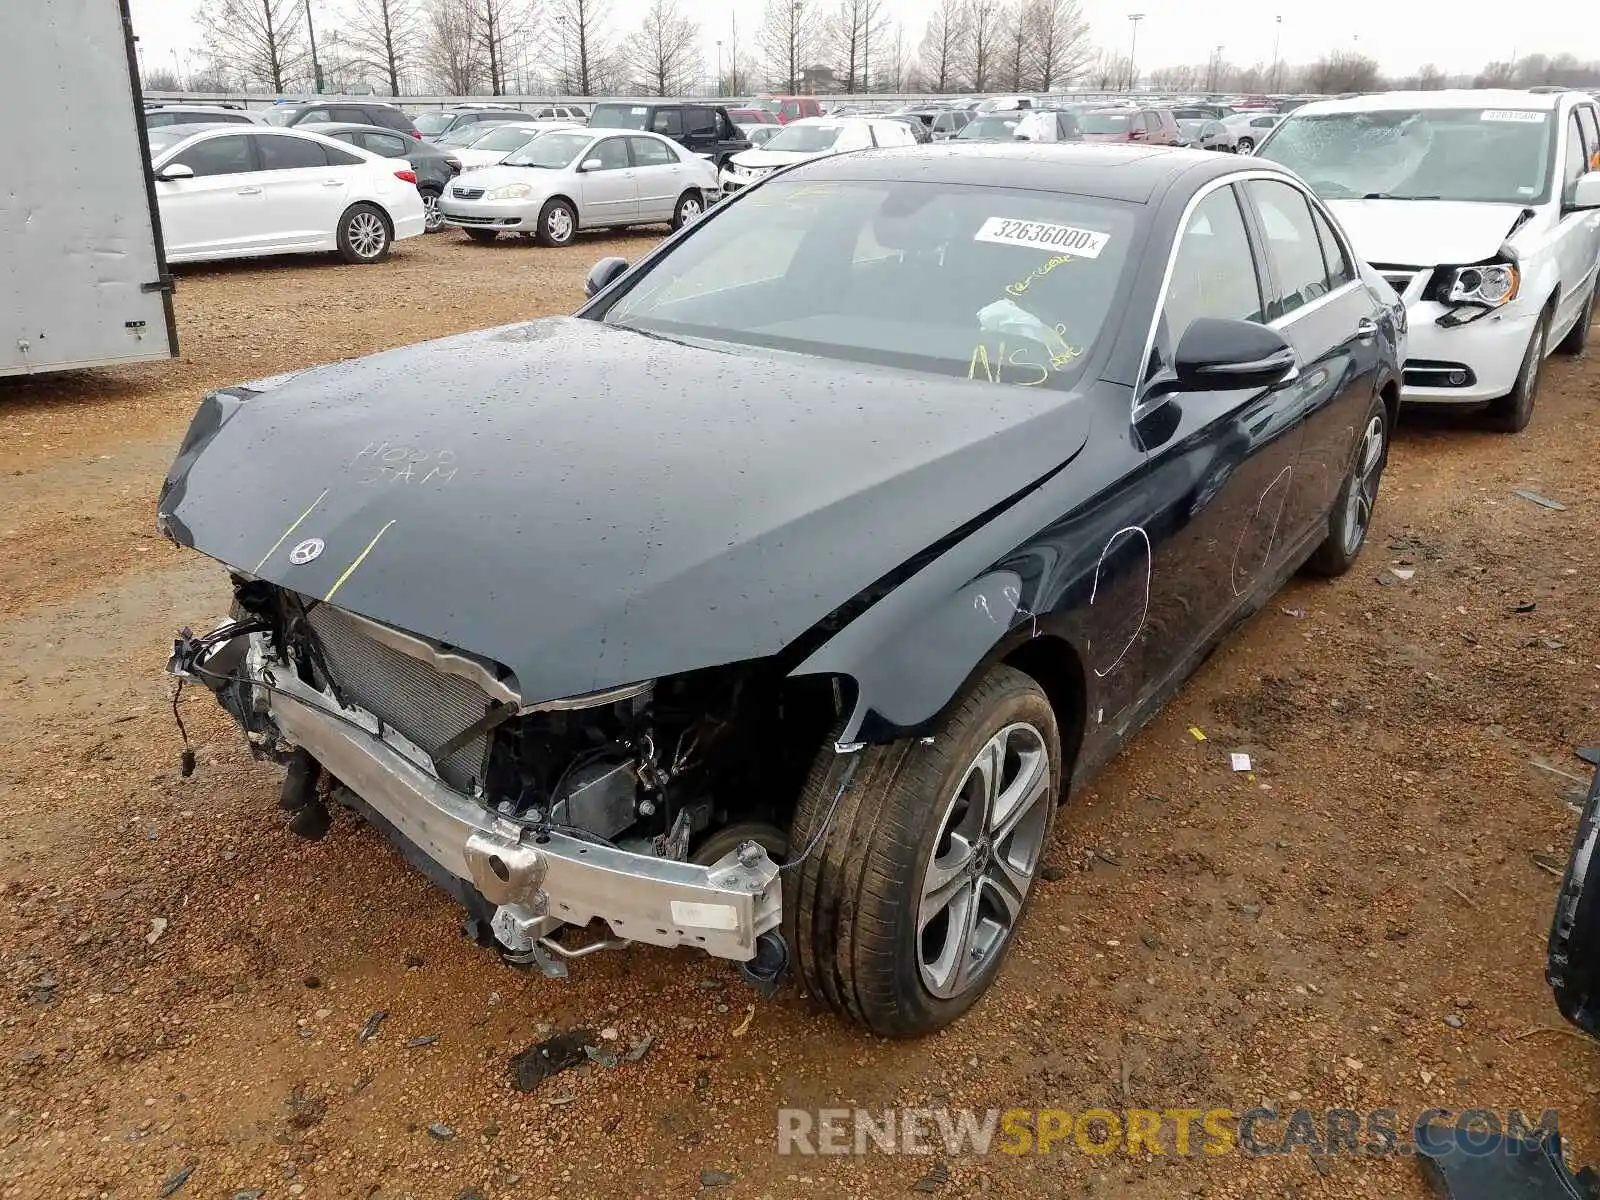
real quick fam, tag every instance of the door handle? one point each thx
(248, 191)
(1366, 327)
(332, 183)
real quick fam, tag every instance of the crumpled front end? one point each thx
(534, 818)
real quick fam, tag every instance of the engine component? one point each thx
(600, 800)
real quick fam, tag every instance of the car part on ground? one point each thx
(715, 716)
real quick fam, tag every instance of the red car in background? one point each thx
(753, 116)
(1157, 126)
(789, 108)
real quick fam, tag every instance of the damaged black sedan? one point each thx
(769, 605)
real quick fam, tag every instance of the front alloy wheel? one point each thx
(923, 856)
(984, 860)
(1351, 518)
(690, 206)
(558, 224)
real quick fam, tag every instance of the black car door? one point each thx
(700, 129)
(1328, 315)
(1218, 464)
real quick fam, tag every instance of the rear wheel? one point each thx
(1352, 510)
(1578, 336)
(432, 218)
(484, 236)
(1246, 144)
(690, 206)
(558, 224)
(363, 234)
(904, 910)
(1512, 412)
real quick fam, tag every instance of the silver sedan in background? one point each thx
(1208, 135)
(562, 182)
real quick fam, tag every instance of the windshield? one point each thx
(280, 114)
(431, 123)
(505, 137)
(981, 283)
(466, 135)
(1486, 155)
(553, 151)
(1104, 122)
(620, 116)
(805, 139)
(990, 127)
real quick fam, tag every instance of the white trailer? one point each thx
(83, 279)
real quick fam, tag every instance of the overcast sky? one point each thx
(1400, 34)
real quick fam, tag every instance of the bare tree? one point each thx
(1185, 78)
(1430, 78)
(497, 26)
(893, 77)
(260, 40)
(663, 54)
(384, 35)
(450, 49)
(584, 43)
(1060, 41)
(1109, 70)
(1343, 71)
(855, 27)
(790, 36)
(1014, 50)
(162, 79)
(982, 43)
(941, 45)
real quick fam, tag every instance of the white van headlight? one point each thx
(1490, 285)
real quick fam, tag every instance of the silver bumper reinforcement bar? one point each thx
(537, 879)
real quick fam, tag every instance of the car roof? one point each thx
(1504, 98)
(1128, 173)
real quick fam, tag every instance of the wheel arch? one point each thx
(388, 217)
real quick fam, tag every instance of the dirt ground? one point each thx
(1359, 923)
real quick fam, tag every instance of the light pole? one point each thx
(1277, 43)
(719, 66)
(1133, 50)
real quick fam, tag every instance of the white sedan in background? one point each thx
(808, 138)
(233, 191)
(565, 181)
(496, 142)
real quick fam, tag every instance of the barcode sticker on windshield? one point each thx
(1513, 114)
(1038, 235)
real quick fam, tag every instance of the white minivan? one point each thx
(1482, 209)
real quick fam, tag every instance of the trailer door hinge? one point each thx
(162, 284)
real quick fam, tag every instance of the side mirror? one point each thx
(1216, 355)
(590, 164)
(1585, 193)
(602, 275)
(174, 171)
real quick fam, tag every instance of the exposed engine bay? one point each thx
(697, 769)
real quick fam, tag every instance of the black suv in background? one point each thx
(701, 128)
(344, 112)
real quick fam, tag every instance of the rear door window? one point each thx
(647, 152)
(387, 144)
(668, 122)
(282, 153)
(316, 114)
(353, 116)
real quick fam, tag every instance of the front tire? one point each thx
(691, 205)
(1512, 412)
(1246, 145)
(558, 224)
(1352, 510)
(902, 914)
(363, 235)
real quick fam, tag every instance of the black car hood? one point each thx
(592, 506)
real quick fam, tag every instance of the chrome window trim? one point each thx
(1141, 407)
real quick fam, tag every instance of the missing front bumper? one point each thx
(535, 880)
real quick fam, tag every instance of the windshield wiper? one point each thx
(1393, 196)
